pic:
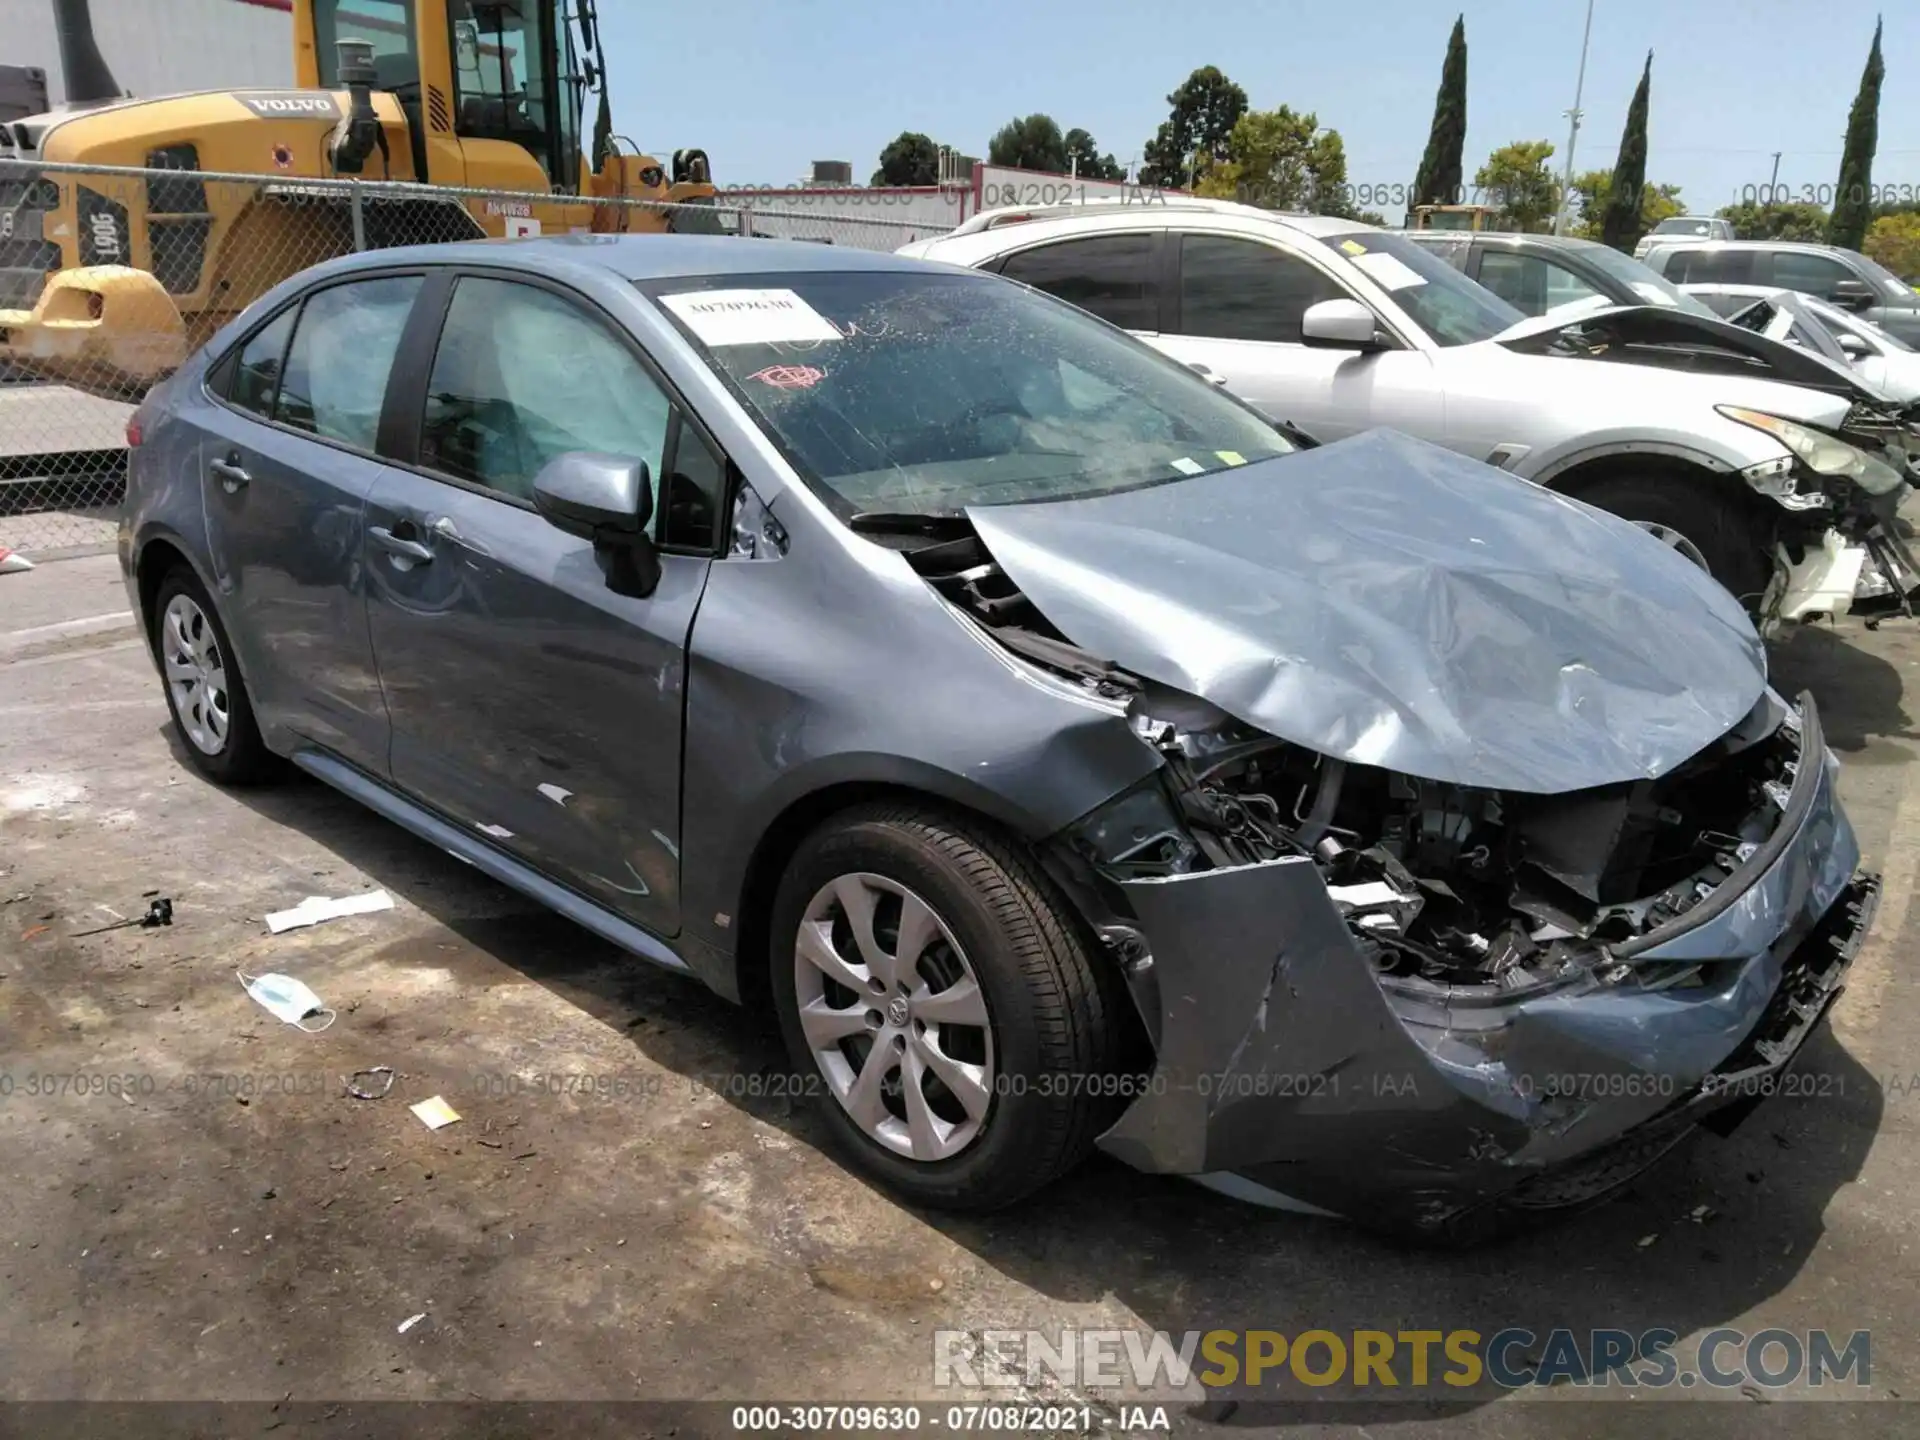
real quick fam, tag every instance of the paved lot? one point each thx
(239, 1229)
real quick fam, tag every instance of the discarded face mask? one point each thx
(289, 999)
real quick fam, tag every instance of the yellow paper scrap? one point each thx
(434, 1113)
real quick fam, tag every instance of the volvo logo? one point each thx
(303, 104)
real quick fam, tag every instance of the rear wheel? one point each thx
(204, 689)
(1701, 519)
(938, 991)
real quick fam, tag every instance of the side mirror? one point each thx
(607, 499)
(1852, 294)
(1339, 325)
(1856, 348)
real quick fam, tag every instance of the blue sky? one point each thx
(765, 88)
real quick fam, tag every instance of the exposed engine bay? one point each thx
(1451, 891)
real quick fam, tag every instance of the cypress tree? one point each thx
(1620, 225)
(1438, 181)
(1853, 197)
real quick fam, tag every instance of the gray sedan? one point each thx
(1066, 756)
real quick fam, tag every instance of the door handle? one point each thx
(1203, 371)
(233, 476)
(399, 545)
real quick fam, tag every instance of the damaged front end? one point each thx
(1389, 970)
(1836, 542)
(1404, 1001)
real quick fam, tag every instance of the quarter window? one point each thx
(1243, 290)
(1107, 275)
(335, 379)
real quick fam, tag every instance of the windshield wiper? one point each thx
(946, 525)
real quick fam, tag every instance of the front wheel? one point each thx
(1700, 519)
(934, 986)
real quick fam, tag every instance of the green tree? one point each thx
(1438, 179)
(909, 159)
(1206, 107)
(1785, 220)
(1853, 196)
(1592, 189)
(1620, 222)
(1517, 180)
(1894, 240)
(1034, 143)
(1281, 160)
(1084, 158)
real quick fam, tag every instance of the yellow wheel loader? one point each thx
(108, 280)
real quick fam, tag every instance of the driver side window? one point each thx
(1243, 290)
(522, 375)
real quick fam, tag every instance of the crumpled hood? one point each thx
(1788, 380)
(1391, 603)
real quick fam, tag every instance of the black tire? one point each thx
(242, 757)
(1718, 522)
(1058, 1018)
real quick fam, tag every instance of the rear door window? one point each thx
(335, 378)
(1710, 267)
(1111, 276)
(1233, 289)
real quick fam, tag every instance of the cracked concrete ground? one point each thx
(649, 1224)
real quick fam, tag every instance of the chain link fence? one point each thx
(111, 276)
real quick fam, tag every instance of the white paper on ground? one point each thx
(1372, 892)
(315, 908)
(1389, 271)
(749, 317)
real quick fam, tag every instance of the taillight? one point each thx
(133, 432)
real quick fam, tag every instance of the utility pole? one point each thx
(1773, 180)
(1573, 131)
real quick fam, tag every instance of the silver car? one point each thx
(1338, 327)
(1065, 756)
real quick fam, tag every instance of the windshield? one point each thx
(1683, 225)
(386, 25)
(1452, 309)
(1651, 286)
(920, 393)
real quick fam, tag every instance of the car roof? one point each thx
(972, 245)
(642, 257)
(1804, 246)
(1512, 240)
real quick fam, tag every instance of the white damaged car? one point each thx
(1786, 493)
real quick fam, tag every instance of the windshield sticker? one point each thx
(1188, 467)
(1389, 271)
(789, 377)
(1232, 457)
(1353, 247)
(749, 317)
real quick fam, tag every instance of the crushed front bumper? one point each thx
(1282, 1060)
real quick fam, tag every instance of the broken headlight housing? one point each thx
(1823, 454)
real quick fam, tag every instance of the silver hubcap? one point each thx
(196, 674)
(1674, 540)
(893, 1012)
